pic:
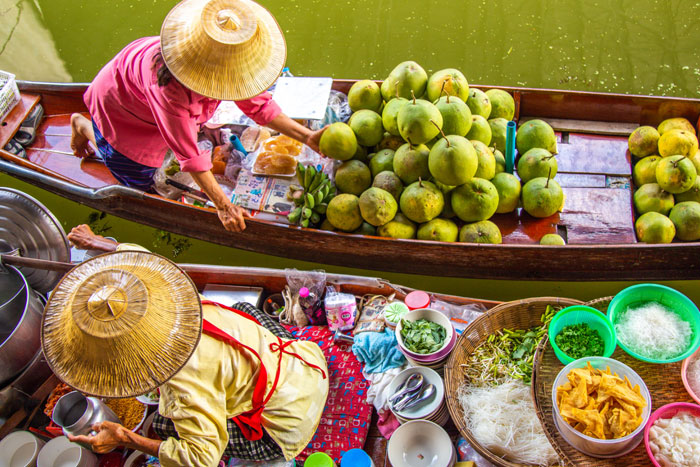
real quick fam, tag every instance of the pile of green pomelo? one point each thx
(667, 198)
(423, 157)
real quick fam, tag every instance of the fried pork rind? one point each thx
(599, 404)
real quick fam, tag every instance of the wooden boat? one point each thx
(30, 414)
(594, 171)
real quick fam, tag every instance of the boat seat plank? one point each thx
(594, 154)
(598, 216)
(89, 173)
(581, 180)
(12, 121)
(587, 126)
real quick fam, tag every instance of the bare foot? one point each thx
(81, 131)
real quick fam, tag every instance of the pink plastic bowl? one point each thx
(436, 317)
(667, 411)
(684, 375)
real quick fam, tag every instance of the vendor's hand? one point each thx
(232, 217)
(84, 238)
(109, 436)
(314, 138)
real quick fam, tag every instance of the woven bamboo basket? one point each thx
(520, 314)
(663, 381)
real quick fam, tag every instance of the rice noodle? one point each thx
(502, 419)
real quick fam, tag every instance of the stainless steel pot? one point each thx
(20, 323)
(76, 414)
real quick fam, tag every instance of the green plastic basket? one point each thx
(640, 294)
(577, 314)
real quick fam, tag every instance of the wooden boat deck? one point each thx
(594, 172)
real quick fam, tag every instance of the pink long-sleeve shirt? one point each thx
(142, 120)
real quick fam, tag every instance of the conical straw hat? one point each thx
(223, 49)
(121, 324)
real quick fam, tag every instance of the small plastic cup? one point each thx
(356, 458)
(578, 314)
(319, 459)
(640, 294)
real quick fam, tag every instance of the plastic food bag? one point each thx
(341, 310)
(315, 282)
(460, 315)
(337, 110)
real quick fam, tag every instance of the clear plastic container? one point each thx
(602, 448)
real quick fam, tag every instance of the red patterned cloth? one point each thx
(345, 420)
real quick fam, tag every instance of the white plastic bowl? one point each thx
(429, 407)
(19, 449)
(59, 452)
(436, 317)
(603, 448)
(420, 443)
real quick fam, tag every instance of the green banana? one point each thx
(305, 223)
(315, 218)
(308, 176)
(301, 172)
(310, 201)
(319, 197)
(321, 208)
(306, 213)
(294, 216)
(316, 182)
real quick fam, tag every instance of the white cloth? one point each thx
(378, 394)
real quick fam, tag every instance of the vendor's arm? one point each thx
(265, 111)
(111, 435)
(83, 237)
(231, 216)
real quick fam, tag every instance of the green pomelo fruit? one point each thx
(502, 104)
(696, 161)
(535, 134)
(326, 225)
(653, 227)
(535, 163)
(456, 116)
(678, 123)
(406, 78)
(367, 126)
(419, 121)
(643, 141)
(508, 188)
(365, 94)
(651, 197)
(450, 82)
(479, 103)
(360, 154)
(381, 161)
(480, 232)
(338, 142)
(366, 229)
(453, 160)
(343, 212)
(421, 201)
(475, 200)
(500, 161)
(686, 218)
(645, 170)
(480, 130)
(693, 194)
(678, 142)
(552, 239)
(389, 181)
(487, 162)
(675, 174)
(377, 206)
(353, 177)
(498, 133)
(440, 230)
(390, 141)
(411, 163)
(391, 113)
(399, 227)
(542, 197)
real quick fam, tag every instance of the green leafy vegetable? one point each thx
(580, 340)
(422, 336)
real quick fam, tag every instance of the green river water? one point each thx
(624, 46)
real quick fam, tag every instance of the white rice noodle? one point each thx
(675, 441)
(502, 419)
(653, 331)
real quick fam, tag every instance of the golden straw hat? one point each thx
(121, 324)
(223, 49)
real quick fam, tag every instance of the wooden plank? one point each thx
(598, 216)
(571, 180)
(587, 126)
(594, 154)
(14, 119)
(87, 172)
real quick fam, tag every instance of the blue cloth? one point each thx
(379, 351)
(126, 171)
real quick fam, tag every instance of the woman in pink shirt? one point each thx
(152, 95)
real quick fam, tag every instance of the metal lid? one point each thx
(27, 225)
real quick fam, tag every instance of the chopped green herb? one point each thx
(422, 336)
(579, 340)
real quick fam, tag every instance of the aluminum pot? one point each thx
(20, 323)
(76, 414)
